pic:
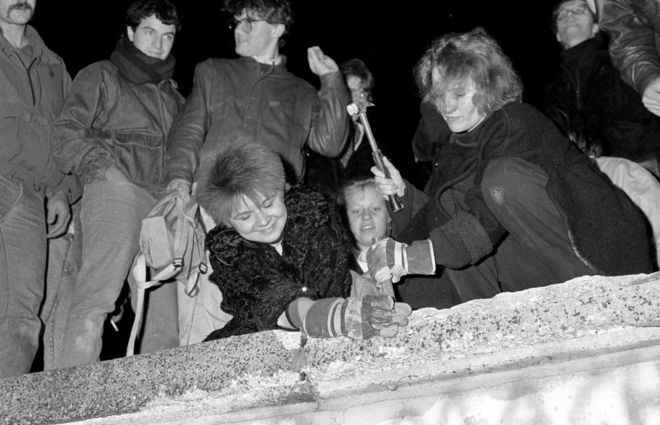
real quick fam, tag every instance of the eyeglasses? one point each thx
(577, 11)
(246, 23)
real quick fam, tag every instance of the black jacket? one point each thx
(606, 229)
(589, 99)
(258, 284)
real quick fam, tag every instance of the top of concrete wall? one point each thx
(579, 318)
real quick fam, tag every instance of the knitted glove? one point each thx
(400, 259)
(374, 315)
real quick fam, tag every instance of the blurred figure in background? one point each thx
(589, 99)
(327, 175)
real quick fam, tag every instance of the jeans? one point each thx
(111, 215)
(22, 273)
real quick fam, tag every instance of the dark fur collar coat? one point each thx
(258, 284)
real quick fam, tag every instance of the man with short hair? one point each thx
(254, 98)
(33, 84)
(112, 133)
(588, 99)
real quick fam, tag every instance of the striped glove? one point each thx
(391, 258)
(374, 315)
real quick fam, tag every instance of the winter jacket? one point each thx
(108, 120)
(607, 231)
(33, 85)
(241, 100)
(634, 30)
(589, 99)
(258, 284)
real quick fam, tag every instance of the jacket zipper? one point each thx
(28, 70)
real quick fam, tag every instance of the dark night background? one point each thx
(390, 37)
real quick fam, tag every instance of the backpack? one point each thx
(172, 249)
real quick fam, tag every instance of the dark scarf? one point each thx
(139, 68)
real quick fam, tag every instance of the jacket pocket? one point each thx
(140, 157)
(10, 193)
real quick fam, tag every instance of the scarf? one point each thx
(139, 68)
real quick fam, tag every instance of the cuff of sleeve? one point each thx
(332, 78)
(645, 76)
(95, 167)
(420, 258)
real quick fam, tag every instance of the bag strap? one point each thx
(185, 223)
(191, 216)
(140, 277)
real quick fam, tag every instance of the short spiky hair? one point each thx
(242, 171)
(272, 11)
(164, 10)
(454, 59)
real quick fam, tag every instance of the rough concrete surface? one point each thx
(519, 358)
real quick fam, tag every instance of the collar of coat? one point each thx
(37, 43)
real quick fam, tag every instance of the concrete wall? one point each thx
(582, 352)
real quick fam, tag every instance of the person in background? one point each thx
(588, 98)
(255, 98)
(280, 255)
(35, 196)
(369, 221)
(633, 27)
(511, 204)
(112, 133)
(327, 175)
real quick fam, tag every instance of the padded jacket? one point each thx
(241, 100)
(634, 30)
(108, 120)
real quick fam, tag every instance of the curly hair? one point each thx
(241, 171)
(165, 11)
(272, 11)
(454, 60)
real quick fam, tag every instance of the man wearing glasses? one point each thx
(255, 99)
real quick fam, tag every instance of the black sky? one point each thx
(390, 37)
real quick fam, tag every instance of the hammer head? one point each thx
(357, 107)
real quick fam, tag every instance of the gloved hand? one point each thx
(374, 315)
(183, 187)
(389, 258)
